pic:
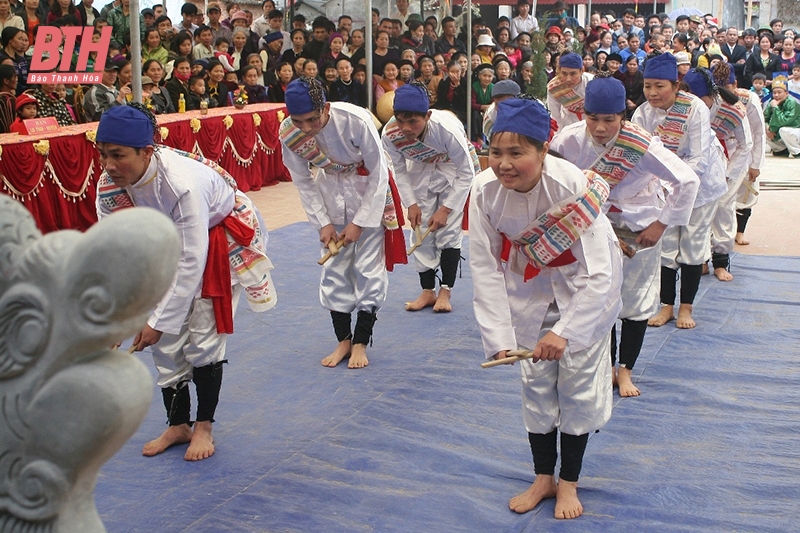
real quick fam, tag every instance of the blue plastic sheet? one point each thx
(424, 440)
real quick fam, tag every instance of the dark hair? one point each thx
(681, 38)
(221, 40)
(275, 14)
(7, 72)
(201, 29)
(8, 35)
(320, 22)
(194, 79)
(149, 63)
(213, 63)
(162, 18)
(148, 31)
(761, 76)
(282, 64)
(762, 36)
(629, 11)
(243, 72)
(179, 39)
(446, 20)
(299, 18)
(56, 8)
(305, 36)
(180, 61)
(188, 9)
(413, 25)
(344, 17)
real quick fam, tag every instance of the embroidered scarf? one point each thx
(626, 152)
(420, 152)
(566, 96)
(306, 147)
(554, 232)
(727, 118)
(744, 96)
(674, 126)
(249, 262)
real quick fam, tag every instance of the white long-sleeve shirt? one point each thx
(349, 137)
(638, 195)
(196, 198)
(758, 133)
(452, 179)
(739, 145)
(563, 116)
(509, 310)
(519, 25)
(694, 148)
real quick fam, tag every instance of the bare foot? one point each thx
(543, 487)
(626, 386)
(426, 299)
(567, 503)
(723, 274)
(358, 356)
(202, 445)
(341, 351)
(664, 315)
(685, 320)
(443, 301)
(172, 435)
(613, 376)
(705, 270)
(740, 240)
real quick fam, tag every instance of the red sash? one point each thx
(531, 271)
(217, 274)
(394, 239)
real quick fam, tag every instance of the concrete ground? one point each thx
(770, 229)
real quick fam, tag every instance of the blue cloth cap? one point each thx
(505, 88)
(661, 67)
(570, 60)
(125, 126)
(272, 37)
(411, 98)
(298, 100)
(697, 83)
(604, 96)
(522, 116)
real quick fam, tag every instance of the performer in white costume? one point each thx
(558, 295)
(681, 122)
(502, 90)
(631, 162)
(729, 123)
(746, 198)
(223, 249)
(434, 165)
(565, 91)
(348, 200)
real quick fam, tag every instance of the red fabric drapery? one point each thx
(55, 175)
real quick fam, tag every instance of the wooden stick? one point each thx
(333, 247)
(131, 349)
(324, 259)
(420, 238)
(750, 187)
(512, 356)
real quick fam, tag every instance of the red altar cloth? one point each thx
(54, 175)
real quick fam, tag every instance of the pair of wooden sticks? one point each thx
(512, 356)
(334, 248)
(420, 237)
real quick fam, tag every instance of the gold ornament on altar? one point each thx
(164, 133)
(385, 107)
(228, 121)
(195, 124)
(281, 115)
(42, 147)
(256, 119)
(91, 136)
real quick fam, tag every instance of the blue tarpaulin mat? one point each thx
(424, 440)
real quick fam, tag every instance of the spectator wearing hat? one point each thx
(561, 17)
(149, 17)
(684, 64)
(218, 30)
(239, 23)
(762, 60)
(565, 91)
(782, 117)
(104, 95)
(502, 90)
(26, 109)
(525, 21)
(485, 48)
(553, 37)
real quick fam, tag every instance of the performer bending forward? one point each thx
(223, 249)
(547, 273)
(631, 162)
(348, 201)
(434, 166)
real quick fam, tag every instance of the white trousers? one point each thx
(789, 140)
(572, 394)
(690, 244)
(428, 255)
(723, 224)
(745, 197)
(641, 283)
(197, 344)
(356, 279)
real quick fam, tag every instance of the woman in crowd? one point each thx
(15, 43)
(452, 92)
(61, 8)
(256, 93)
(390, 80)
(238, 52)
(159, 98)
(9, 19)
(633, 80)
(178, 84)
(788, 57)
(215, 84)
(761, 61)
(298, 42)
(151, 47)
(355, 47)
(277, 91)
(382, 53)
(8, 96)
(333, 51)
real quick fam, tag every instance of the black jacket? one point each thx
(754, 66)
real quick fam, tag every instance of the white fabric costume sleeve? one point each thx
(683, 181)
(365, 138)
(757, 131)
(310, 195)
(696, 143)
(490, 299)
(740, 153)
(401, 178)
(457, 148)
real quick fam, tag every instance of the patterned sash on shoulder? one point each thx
(417, 150)
(624, 155)
(727, 118)
(566, 96)
(744, 96)
(249, 262)
(554, 232)
(674, 126)
(306, 147)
